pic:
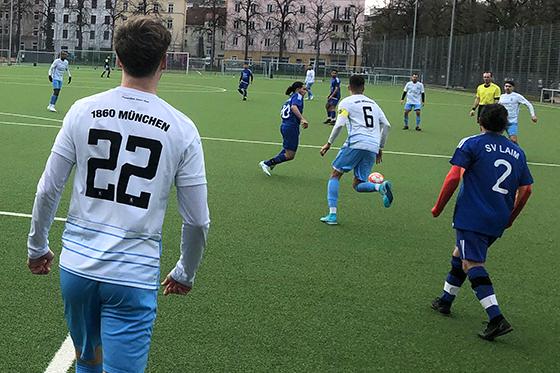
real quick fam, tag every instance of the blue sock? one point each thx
(332, 191)
(87, 368)
(53, 99)
(455, 279)
(366, 187)
(482, 286)
(281, 157)
(417, 121)
(406, 120)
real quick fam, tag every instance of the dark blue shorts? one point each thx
(333, 101)
(243, 84)
(290, 136)
(473, 246)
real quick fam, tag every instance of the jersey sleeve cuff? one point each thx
(190, 181)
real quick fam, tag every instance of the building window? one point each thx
(36, 16)
(333, 46)
(108, 4)
(236, 24)
(78, 35)
(170, 8)
(34, 45)
(222, 45)
(268, 25)
(67, 3)
(235, 41)
(320, 9)
(251, 41)
(251, 25)
(267, 42)
(35, 31)
(335, 28)
(125, 6)
(156, 8)
(234, 58)
(346, 28)
(270, 8)
(301, 27)
(65, 18)
(64, 47)
(106, 35)
(238, 7)
(170, 24)
(93, 4)
(107, 20)
(92, 35)
(336, 12)
(300, 44)
(344, 46)
(65, 34)
(93, 20)
(302, 9)
(253, 8)
(347, 13)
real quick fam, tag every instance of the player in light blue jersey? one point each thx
(415, 99)
(367, 132)
(496, 185)
(56, 74)
(292, 118)
(245, 78)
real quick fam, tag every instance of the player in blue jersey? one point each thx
(56, 74)
(245, 79)
(496, 186)
(292, 117)
(333, 98)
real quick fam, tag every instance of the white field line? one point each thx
(280, 144)
(63, 359)
(21, 215)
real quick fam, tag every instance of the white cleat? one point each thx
(51, 108)
(265, 168)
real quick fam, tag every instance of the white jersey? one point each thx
(511, 102)
(366, 123)
(414, 92)
(310, 76)
(58, 68)
(129, 147)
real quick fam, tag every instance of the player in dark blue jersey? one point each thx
(245, 79)
(333, 98)
(292, 117)
(496, 186)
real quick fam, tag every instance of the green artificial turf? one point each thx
(278, 290)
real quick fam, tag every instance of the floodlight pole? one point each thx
(450, 46)
(413, 35)
(10, 33)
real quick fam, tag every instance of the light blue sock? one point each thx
(406, 120)
(53, 99)
(86, 368)
(417, 121)
(332, 191)
(366, 187)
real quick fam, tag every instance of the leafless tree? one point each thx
(283, 23)
(357, 28)
(319, 22)
(46, 10)
(215, 22)
(245, 22)
(145, 7)
(82, 12)
(116, 12)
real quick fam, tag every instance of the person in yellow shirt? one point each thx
(487, 93)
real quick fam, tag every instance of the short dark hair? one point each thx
(141, 44)
(494, 117)
(510, 82)
(335, 70)
(357, 82)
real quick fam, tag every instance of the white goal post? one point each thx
(551, 95)
(178, 62)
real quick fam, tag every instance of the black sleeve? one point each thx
(403, 95)
(423, 96)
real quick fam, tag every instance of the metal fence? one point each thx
(530, 56)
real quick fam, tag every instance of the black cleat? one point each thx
(405, 128)
(327, 121)
(495, 328)
(244, 98)
(418, 129)
(441, 306)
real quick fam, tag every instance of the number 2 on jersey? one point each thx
(127, 169)
(501, 179)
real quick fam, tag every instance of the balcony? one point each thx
(339, 35)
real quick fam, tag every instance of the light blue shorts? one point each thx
(414, 107)
(118, 318)
(512, 129)
(57, 84)
(361, 161)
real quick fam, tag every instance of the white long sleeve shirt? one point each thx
(310, 76)
(512, 101)
(58, 68)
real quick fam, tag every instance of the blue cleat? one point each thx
(329, 219)
(385, 191)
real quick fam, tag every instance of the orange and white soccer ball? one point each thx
(376, 178)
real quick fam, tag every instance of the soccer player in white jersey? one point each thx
(128, 147)
(511, 101)
(309, 80)
(56, 74)
(415, 99)
(367, 132)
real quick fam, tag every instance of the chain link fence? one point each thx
(530, 56)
